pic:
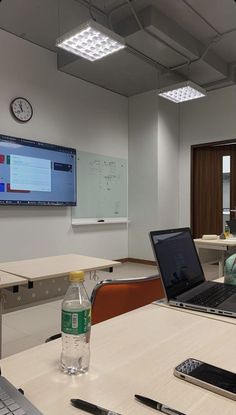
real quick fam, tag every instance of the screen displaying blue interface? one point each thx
(36, 173)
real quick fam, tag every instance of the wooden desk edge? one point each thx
(32, 278)
(14, 280)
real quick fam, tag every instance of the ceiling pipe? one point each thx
(162, 68)
(190, 62)
(141, 55)
(91, 6)
(167, 69)
(141, 27)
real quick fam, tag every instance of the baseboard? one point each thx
(122, 260)
(137, 261)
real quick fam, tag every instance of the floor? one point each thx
(31, 326)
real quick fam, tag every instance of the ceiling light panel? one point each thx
(91, 41)
(183, 91)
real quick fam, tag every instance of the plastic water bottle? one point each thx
(227, 231)
(75, 326)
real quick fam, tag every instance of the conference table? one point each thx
(221, 245)
(134, 353)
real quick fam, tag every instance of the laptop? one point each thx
(183, 278)
(13, 402)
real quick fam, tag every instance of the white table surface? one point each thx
(8, 280)
(54, 266)
(221, 245)
(134, 353)
(216, 242)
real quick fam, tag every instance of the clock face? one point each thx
(21, 109)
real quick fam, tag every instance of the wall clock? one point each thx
(21, 109)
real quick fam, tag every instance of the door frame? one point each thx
(194, 146)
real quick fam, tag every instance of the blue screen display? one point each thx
(36, 173)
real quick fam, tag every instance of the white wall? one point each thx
(168, 164)
(202, 121)
(153, 170)
(160, 138)
(69, 112)
(74, 113)
(143, 116)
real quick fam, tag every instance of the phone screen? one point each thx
(215, 376)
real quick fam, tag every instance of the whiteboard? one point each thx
(102, 186)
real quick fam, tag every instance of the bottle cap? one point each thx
(76, 276)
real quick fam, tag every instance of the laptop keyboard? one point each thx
(8, 405)
(213, 296)
(13, 402)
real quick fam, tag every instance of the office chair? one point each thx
(111, 298)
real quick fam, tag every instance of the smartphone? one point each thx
(207, 376)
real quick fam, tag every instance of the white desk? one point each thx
(7, 281)
(55, 266)
(43, 268)
(221, 245)
(133, 353)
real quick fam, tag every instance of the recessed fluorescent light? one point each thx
(91, 41)
(183, 91)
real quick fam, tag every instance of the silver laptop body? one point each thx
(183, 278)
(13, 402)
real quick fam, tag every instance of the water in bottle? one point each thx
(227, 231)
(75, 326)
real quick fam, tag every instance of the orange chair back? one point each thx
(113, 297)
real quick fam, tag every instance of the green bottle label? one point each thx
(75, 322)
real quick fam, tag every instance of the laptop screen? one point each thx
(177, 259)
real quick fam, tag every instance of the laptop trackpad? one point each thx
(229, 304)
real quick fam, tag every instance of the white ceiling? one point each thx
(167, 40)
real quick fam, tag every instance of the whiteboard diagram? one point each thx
(101, 186)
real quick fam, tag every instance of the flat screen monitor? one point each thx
(36, 173)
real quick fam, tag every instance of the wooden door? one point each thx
(206, 206)
(208, 215)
